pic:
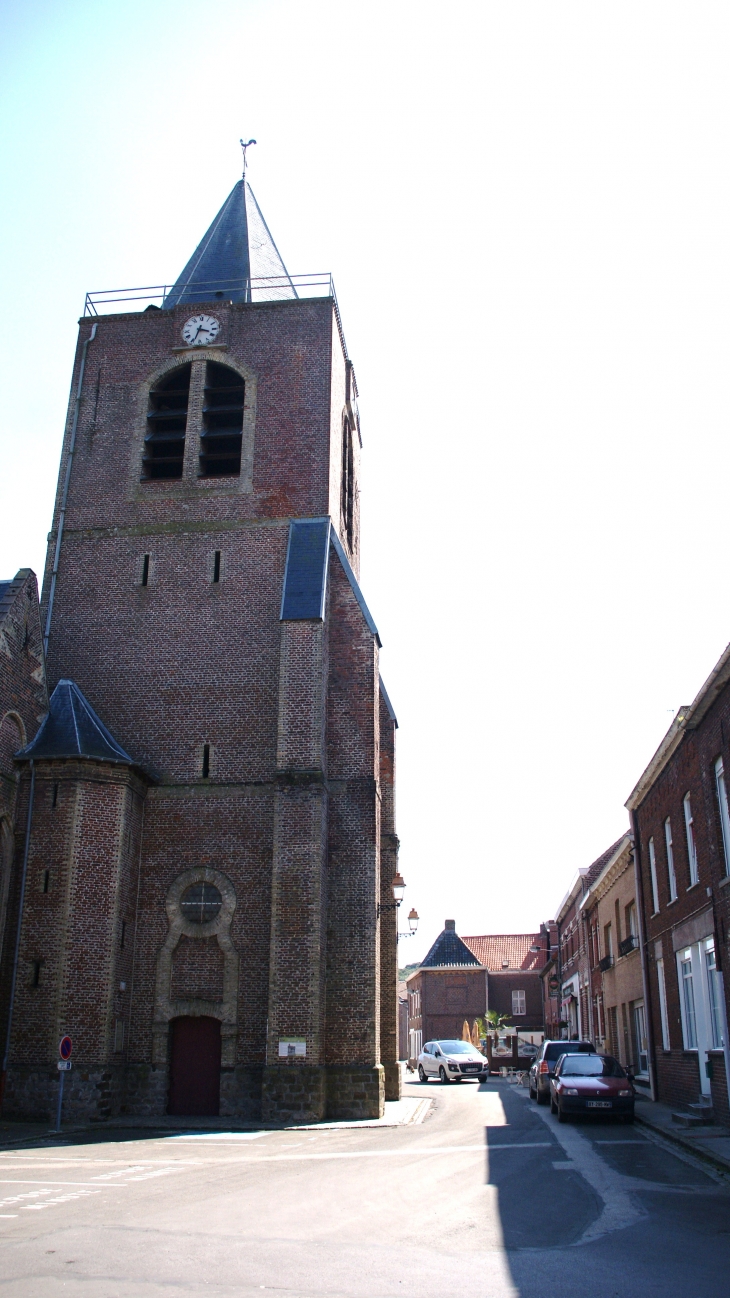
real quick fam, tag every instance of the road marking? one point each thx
(620, 1142)
(27, 1180)
(620, 1209)
(222, 1135)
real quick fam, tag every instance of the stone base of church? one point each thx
(89, 1094)
(355, 1093)
(393, 1080)
(300, 1093)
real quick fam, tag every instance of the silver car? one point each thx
(450, 1061)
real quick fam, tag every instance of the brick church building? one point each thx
(197, 824)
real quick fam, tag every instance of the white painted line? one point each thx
(47, 1181)
(222, 1135)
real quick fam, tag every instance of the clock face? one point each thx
(200, 329)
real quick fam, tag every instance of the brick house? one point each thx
(211, 798)
(681, 821)
(610, 916)
(461, 978)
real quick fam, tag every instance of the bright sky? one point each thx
(525, 210)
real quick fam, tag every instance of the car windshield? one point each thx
(456, 1047)
(558, 1048)
(591, 1066)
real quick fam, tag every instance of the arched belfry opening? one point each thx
(220, 440)
(167, 417)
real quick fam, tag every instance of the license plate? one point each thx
(599, 1104)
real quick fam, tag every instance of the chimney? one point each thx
(450, 925)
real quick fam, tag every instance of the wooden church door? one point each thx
(195, 1067)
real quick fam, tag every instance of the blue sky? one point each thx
(525, 210)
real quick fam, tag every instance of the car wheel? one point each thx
(442, 1074)
(484, 1077)
(562, 1117)
(541, 1097)
(421, 1075)
(553, 1105)
(628, 1117)
(533, 1094)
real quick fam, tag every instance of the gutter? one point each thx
(16, 953)
(644, 949)
(66, 485)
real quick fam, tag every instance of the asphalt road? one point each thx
(489, 1196)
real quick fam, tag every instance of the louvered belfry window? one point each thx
(220, 440)
(164, 443)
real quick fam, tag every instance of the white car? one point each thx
(450, 1061)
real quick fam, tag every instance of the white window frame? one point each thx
(663, 1004)
(714, 994)
(671, 872)
(724, 810)
(519, 998)
(639, 1017)
(652, 870)
(687, 999)
(694, 869)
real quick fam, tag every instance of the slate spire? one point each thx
(72, 729)
(236, 259)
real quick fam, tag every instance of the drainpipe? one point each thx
(644, 949)
(66, 484)
(16, 955)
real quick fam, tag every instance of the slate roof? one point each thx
(448, 949)
(493, 949)
(72, 729)
(305, 574)
(236, 248)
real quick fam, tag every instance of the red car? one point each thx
(594, 1084)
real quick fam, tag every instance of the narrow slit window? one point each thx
(217, 566)
(37, 973)
(206, 761)
(145, 570)
(54, 799)
(167, 417)
(122, 934)
(46, 880)
(222, 435)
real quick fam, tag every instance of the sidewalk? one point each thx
(406, 1112)
(710, 1144)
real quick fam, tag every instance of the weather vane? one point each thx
(244, 146)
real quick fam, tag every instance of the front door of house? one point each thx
(642, 1046)
(195, 1067)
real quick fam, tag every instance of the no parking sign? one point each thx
(65, 1046)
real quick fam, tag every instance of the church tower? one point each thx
(209, 906)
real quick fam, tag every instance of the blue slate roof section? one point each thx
(236, 248)
(355, 587)
(388, 703)
(222, 255)
(305, 575)
(448, 949)
(72, 729)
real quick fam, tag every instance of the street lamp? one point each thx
(412, 923)
(399, 887)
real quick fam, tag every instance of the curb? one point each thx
(720, 1165)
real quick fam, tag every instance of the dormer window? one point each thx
(220, 440)
(167, 417)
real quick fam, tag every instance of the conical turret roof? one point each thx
(72, 729)
(236, 259)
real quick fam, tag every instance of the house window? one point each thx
(167, 417)
(518, 1003)
(689, 1017)
(222, 435)
(694, 874)
(608, 941)
(663, 1004)
(670, 860)
(652, 868)
(724, 811)
(715, 994)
